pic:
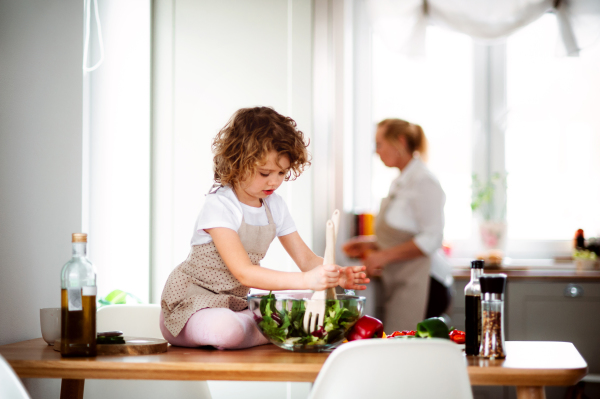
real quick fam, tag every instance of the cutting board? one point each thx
(132, 346)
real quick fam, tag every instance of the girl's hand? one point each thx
(322, 277)
(357, 247)
(375, 262)
(352, 276)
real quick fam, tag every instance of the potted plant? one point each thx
(488, 203)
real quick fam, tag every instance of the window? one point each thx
(516, 107)
(552, 137)
(117, 158)
(436, 93)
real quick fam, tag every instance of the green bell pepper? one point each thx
(434, 327)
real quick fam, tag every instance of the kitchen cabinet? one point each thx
(556, 305)
(457, 312)
(557, 311)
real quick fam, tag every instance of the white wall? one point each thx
(41, 48)
(341, 105)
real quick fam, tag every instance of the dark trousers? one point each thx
(439, 298)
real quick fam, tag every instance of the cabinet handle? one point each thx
(573, 291)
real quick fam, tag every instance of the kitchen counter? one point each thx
(541, 269)
(534, 274)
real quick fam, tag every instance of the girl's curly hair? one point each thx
(251, 133)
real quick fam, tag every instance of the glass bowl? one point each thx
(279, 317)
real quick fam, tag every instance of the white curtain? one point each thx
(402, 23)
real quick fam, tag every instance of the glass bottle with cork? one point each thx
(78, 302)
(473, 309)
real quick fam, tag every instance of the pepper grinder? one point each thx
(492, 316)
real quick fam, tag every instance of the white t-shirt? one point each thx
(223, 209)
(418, 207)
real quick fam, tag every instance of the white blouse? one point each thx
(418, 207)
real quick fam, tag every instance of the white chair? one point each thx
(10, 385)
(138, 321)
(394, 368)
(133, 320)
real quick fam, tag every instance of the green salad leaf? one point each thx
(285, 324)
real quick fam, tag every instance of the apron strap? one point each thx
(268, 210)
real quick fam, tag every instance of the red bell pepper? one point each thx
(366, 327)
(457, 336)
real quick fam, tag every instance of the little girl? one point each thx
(204, 299)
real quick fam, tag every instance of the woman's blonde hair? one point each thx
(244, 142)
(412, 133)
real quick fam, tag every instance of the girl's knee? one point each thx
(231, 334)
(165, 331)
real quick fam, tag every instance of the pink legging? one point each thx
(219, 327)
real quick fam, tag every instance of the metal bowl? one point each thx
(279, 317)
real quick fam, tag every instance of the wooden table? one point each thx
(529, 366)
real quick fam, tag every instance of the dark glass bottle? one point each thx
(579, 241)
(473, 309)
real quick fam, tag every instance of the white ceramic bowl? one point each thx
(50, 323)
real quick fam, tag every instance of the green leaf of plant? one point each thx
(116, 297)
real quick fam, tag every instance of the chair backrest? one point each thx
(133, 320)
(10, 385)
(394, 368)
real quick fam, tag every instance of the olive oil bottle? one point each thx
(78, 302)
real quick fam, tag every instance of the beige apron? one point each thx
(403, 299)
(204, 281)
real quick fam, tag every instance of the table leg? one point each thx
(531, 393)
(71, 389)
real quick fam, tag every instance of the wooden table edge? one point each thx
(522, 377)
(166, 371)
(258, 372)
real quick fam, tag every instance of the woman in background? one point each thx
(406, 250)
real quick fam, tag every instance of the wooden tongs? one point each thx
(314, 315)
